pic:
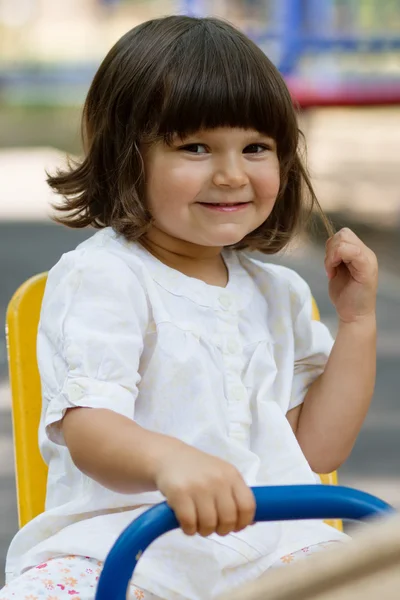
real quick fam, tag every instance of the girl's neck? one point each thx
(202, 263)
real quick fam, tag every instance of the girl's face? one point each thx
(210, 189)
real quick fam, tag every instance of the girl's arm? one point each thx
(206, 493)
(328, 422)
(114, 450)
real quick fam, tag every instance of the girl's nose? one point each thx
(230, 173)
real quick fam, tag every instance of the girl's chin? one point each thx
(228, 240)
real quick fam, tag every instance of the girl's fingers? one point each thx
(207, 515)
(186, 513)
(227, 513)
(246, 504)
(343, 252)
(348, 253)
(346, 235)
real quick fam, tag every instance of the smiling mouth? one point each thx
(223, 203)
(225, 206)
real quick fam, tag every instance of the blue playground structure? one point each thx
(331, 52)
(274, 503)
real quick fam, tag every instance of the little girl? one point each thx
(174, 363)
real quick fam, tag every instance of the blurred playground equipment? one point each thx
(366, 569)
(331, 52)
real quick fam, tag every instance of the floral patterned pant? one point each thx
(68, 577)
(75, 578)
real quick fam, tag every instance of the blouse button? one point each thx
(225, 300)
(75, 392)
(232, 346)
(238, 393)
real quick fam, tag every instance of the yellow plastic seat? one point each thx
(21, 331)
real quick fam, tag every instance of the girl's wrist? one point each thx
(163, 449)
(363, 323)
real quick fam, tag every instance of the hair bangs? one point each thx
(216, 79)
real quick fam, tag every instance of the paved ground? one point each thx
(27, 248)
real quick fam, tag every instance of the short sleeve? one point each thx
(90, 337)
(312, 342)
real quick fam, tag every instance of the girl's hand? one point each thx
(206, 493)
(352, 269)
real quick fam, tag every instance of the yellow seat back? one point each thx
(21, 329)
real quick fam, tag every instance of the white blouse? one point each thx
(215, 367)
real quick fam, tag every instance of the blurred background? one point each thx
(341, 60)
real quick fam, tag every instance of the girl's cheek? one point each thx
(269, 185)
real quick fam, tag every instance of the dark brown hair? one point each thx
(176, 75)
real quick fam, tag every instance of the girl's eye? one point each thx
(256, 148)
(194, 148)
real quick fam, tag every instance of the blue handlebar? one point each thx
(274, 503)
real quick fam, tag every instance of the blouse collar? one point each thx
(236, 292)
